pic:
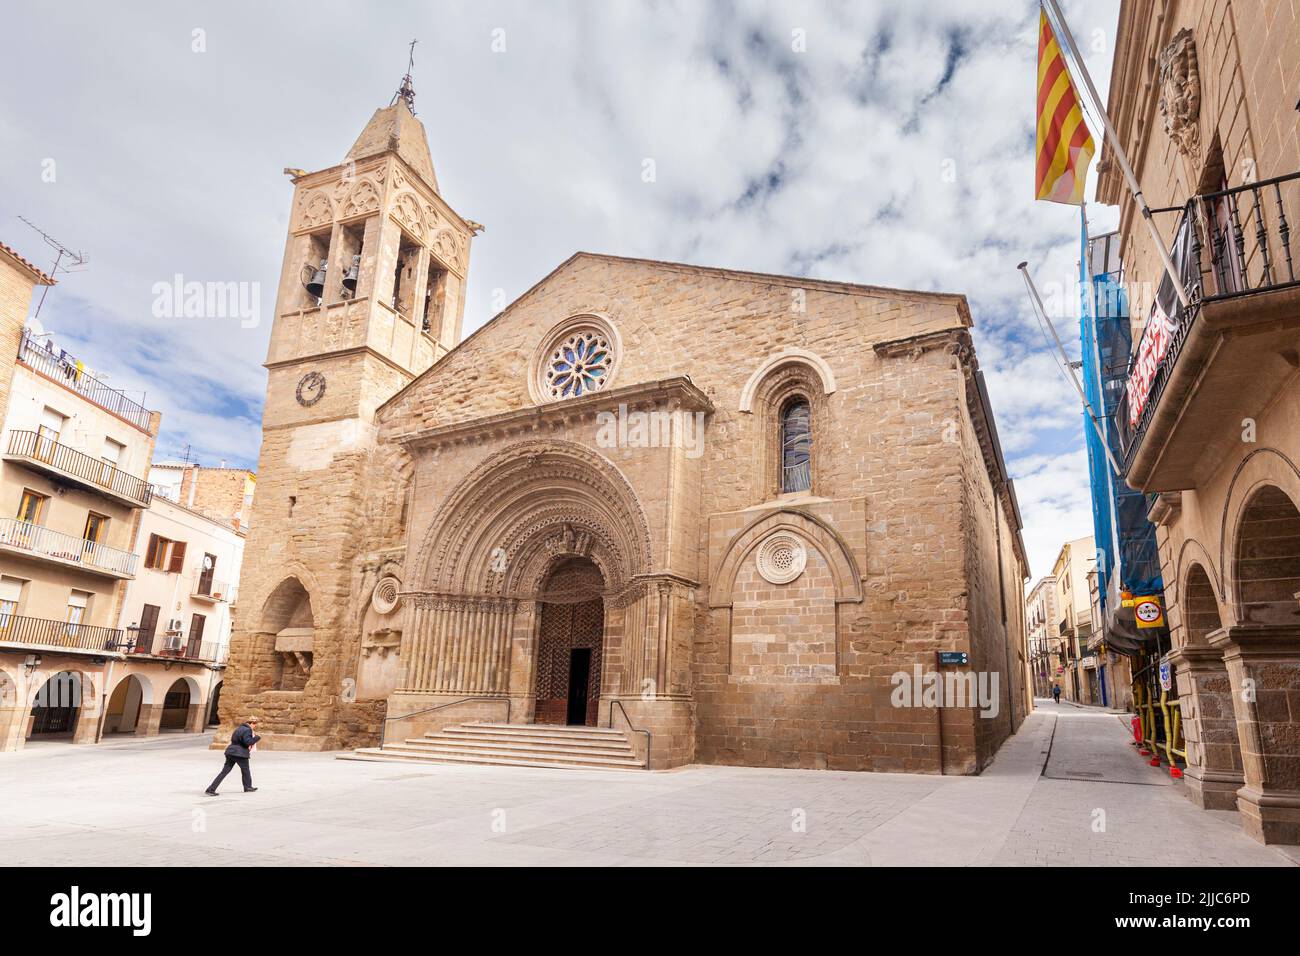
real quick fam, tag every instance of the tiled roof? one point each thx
(37, 274)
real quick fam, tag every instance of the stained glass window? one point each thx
(796, 446)
(579, 364)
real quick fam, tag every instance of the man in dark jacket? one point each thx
(242, 742)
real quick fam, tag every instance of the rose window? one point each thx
(579, 364)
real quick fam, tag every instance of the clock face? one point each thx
(311, 388)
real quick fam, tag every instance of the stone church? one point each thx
(650, 514)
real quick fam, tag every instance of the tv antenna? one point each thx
(406, 92)
(75, 259)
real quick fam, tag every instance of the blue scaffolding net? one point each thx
(1126, 540)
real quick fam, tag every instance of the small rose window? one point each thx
(578, 365)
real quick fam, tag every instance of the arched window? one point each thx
(796, 446)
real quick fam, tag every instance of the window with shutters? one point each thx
(11, 593)
(148, 626)
(164, 554)
(31, 507)
(196, 635)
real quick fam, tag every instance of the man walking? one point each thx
(1056, 693)
(242, 741)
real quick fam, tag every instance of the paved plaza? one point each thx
(1068, 788)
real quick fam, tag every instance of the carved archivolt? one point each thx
(787, 357)
(1180, 93)
(802, 527)
(523, 508)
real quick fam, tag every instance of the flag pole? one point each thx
(1041, 311)
(1063, 33)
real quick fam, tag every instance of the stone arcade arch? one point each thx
(182, 706)
(1214, 768)
(130, 706)
(493, 553)
(1261, 650)
(63, 708)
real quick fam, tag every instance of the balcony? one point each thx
(32, 540)
(177, 647)
(41, 633)
(62, 368)
(1224, 357)
(67, 464)
(210, 590)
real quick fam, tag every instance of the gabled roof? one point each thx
(39, 277)
(794, 282)
(395, 128)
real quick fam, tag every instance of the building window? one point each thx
(78, 602)
(96, 526)
(148, 626)
(163, 554)
(578, 364)
(32, 506)
(796, 446)
(11, 592)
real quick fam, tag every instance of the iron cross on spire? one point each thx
(406, 92)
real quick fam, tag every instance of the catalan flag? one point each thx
(1065, 146)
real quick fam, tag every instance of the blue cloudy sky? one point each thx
(894, 148)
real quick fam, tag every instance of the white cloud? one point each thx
(829, 162)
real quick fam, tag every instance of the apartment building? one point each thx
(1044, 637)
(86, 547)
(1078, 676)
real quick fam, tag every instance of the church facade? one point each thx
(738, 517)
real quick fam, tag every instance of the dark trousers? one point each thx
(230, 765)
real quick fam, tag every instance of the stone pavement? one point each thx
(140, 803)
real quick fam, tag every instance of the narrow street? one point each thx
(1039, 803)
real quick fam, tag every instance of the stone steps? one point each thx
(515, 745)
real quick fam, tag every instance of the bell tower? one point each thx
(371, 294)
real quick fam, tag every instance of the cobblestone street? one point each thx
(130, 803)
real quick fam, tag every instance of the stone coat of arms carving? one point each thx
(1180, 93)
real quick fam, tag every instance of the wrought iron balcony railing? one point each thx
(1238, 242)
(63, 369)
(69, 462)
(65, 547)
(180, 647)
(44, 632)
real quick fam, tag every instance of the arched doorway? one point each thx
(176, 706)
(214, 716)
(57, 707)
(127, 706)
(570, 644)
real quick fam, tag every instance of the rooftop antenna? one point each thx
(75, 259)
(406, 92)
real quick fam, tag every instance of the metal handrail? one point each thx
(383, 730)
(1233, 253)
(15, 533)
(649, 737)
(63, 368)
(78, 464)
(48, 632)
